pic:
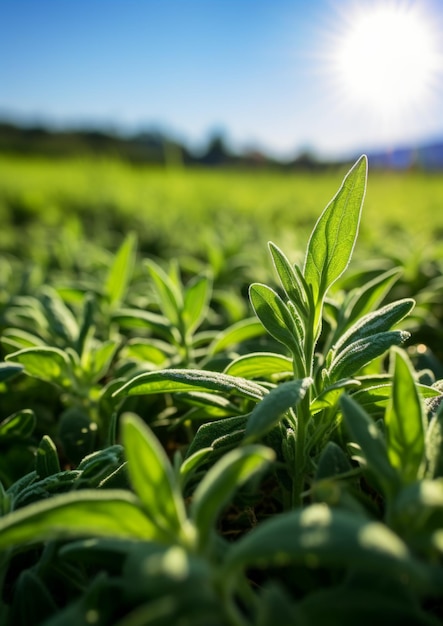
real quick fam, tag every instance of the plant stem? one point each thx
(303, 416)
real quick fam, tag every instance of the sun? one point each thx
(386, 58)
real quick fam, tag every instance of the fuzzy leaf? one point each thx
(371, 295)
(60, 318)
(264, 365)
(121, 270)
(267, 413)
(47, 462)
(275, 316)
(361, 352)
(378, 321)
(151, 475)
(332, 241)
(175, 380)
(235, 334)
(222, 480)
(170, 298)
(82, 513)
(196, 302)
(289, 279)
(365, 433)
(48, 364)
(404, 420)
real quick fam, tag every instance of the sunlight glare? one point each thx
(386, 58)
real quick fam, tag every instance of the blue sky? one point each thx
(259, 71)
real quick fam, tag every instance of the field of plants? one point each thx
(220, 396)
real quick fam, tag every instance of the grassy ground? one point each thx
(184, 210)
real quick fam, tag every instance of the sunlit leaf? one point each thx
(151, 475)
(170, 299)
(83, 513)
(235, 334)
(175, 380)
(332, 241)
(121, 270)
(289, 279)
(222, 480)
(267, 413)
(264, 365)
(196, 302)
(48, 364)
(404, 419)
(275, 316)
(365, 433)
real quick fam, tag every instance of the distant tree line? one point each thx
(147, 147)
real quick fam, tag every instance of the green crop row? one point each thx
(174, 454)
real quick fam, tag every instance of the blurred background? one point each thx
(240, 116)
(218, 82)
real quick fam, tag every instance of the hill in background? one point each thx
(156, 148)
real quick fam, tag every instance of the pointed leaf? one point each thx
(370, 295)
(47, 462)
(289, 279)
(60, 318)
(151, 475)
(175, 380)
(121, 270)
(275, 316)
(365, 433)
(235, 334)
(48, 364)
(375, 322)
(220, 483)
(76, 514)
(404, 420)
(267, 413)
(361, 352)
(196, 302)
(170, 299)
(332, 241)
(264, 365)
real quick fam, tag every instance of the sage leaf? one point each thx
(78, 514)
(120, 272)
(151, 475)
(375, 322)
(267, 413)
(275, 316)
(332, 241)
(365, 433)
(176, 380)
(289, 279)
(196, 302)
(405, 421)
(361, 352)
(222, 480)
(45, 363)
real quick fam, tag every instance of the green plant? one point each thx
(307, 489)
(296, 394)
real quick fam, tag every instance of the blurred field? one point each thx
(62, 220)
(45, 203)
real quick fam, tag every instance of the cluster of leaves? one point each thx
(162, 465)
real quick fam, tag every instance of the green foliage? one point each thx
(167, 459)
